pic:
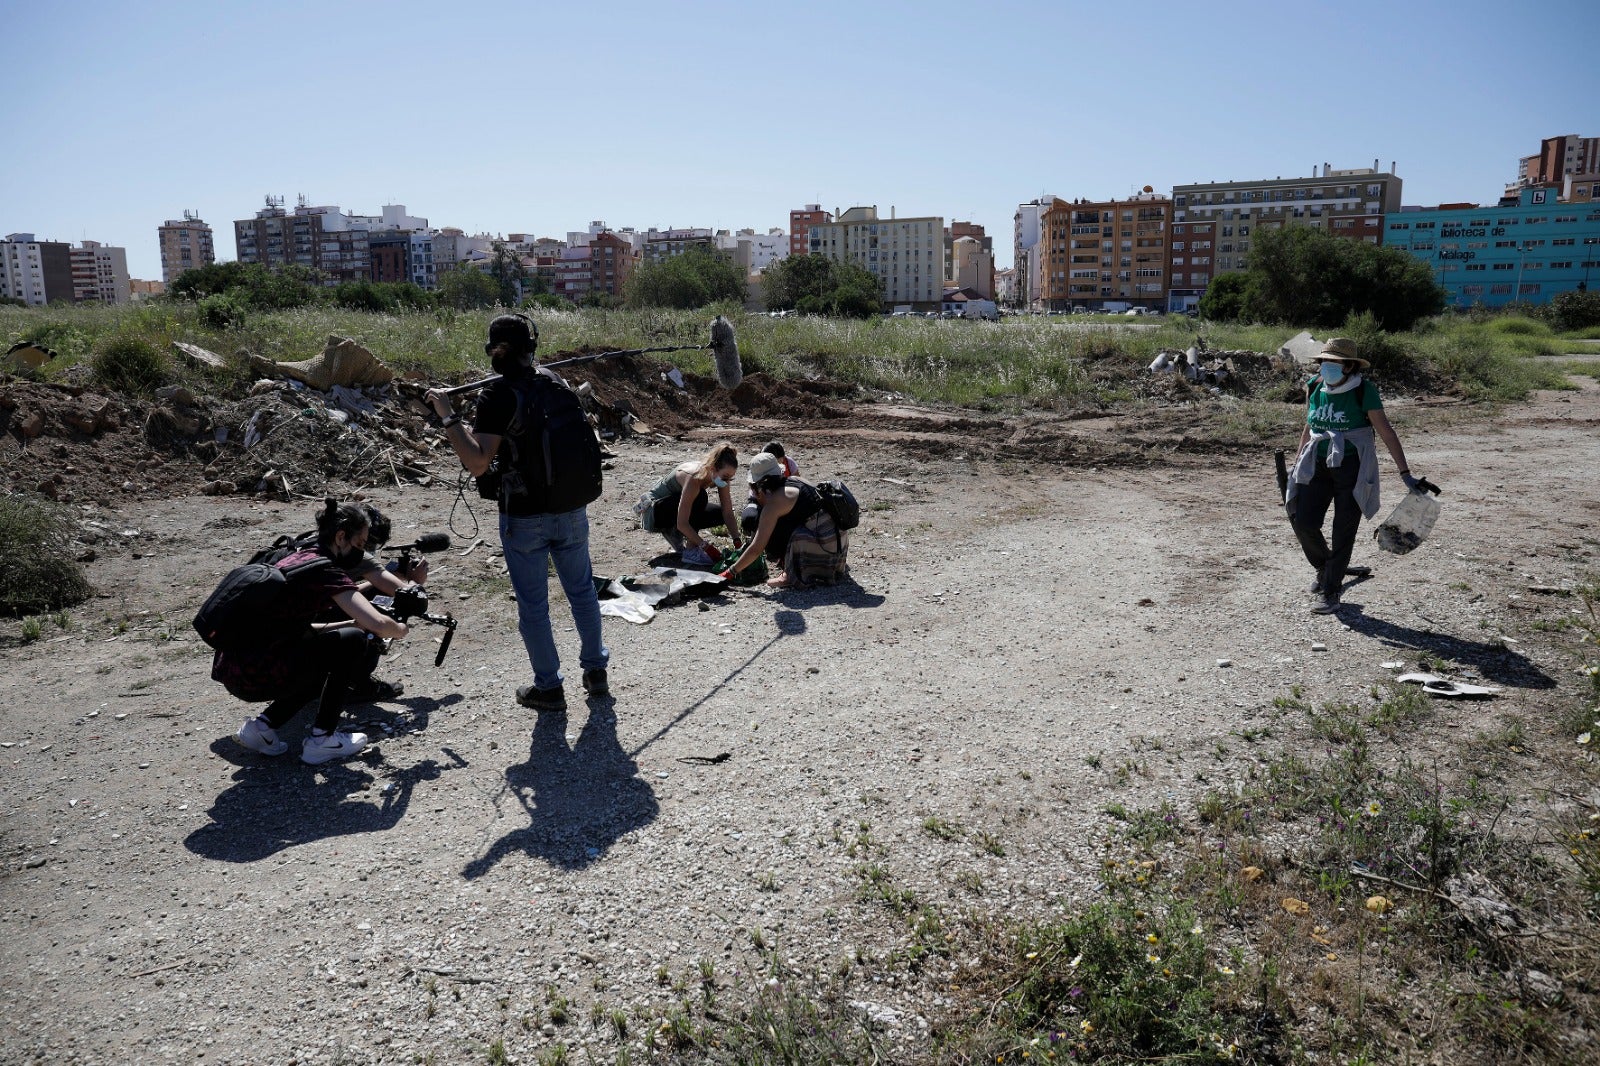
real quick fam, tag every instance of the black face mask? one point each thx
(347, 559)
(509, 365)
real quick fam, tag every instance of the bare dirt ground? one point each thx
(1018, 611)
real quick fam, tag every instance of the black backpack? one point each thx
(549, 460)
(242, 613)
(840, 503)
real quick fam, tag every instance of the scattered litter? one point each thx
(895, 481)
(1298, 907)
(676, 377)
(1224, 662)
(1393, 664)
(635, 599)
(1319, 647)
(1434, 685)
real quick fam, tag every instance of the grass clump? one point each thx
(36, 558)
(129, 364)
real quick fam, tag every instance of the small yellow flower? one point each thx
(1197, 929)
(1583, 738)
(1033, 955)
(1074, 963)
(1152, 939)
(1374, 808)
(1086, 1025)
(1152, 958)
(1226, 971)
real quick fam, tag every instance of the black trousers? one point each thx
(1335, 485)
(327, 662)
(702, 514)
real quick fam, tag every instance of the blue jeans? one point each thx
(529, 541)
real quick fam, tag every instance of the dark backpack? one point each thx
(242, 613)
(549, 460)
(840, 503)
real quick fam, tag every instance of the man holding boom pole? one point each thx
(548, 472)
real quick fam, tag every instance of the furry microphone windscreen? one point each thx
(725, 350)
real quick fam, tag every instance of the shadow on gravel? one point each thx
(278, 803)
(845, 592)
(579, 800)
(1495, 662)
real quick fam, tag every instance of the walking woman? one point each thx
(318, 661)
(1338, 465)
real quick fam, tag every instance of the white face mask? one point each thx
(720, 482)
(1333, 373)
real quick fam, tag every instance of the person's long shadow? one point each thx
(280, 803)
(579, 800)
(1494, 662)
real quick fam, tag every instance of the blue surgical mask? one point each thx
(720, 482)
(1332, 373)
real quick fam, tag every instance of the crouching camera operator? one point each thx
(373, 578)
(299, 659)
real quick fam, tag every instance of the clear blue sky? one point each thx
(537, 117)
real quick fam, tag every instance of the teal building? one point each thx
(1527, 252)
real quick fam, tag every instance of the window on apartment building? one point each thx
(1563, 241)
(1529, 290)
(1498, 266)
(1540, 220)
(1477, 244)
(1561, 266)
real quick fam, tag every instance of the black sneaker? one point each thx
(1316, 585)
(371, 690)
(1325, 604)
(596, 684)
(542, 699)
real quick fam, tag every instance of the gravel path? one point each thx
(1024, 646)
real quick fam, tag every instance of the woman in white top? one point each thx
(678, 507)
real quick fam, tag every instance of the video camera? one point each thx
(411, 603)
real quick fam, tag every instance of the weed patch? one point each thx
(36, 558)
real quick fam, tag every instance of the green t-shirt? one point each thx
(1341, 411)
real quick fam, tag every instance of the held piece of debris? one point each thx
(1302, 348)
(342, 362)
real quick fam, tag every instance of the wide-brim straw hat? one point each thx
(1344, 350)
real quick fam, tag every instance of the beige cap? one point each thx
(764, 465)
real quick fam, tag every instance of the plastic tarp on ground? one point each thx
(635, 599)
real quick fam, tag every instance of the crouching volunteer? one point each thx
(1338, 464)
(678, 507)
(374, 579)
(542, 500)
(316, 661)
(794, 530)
(752, 507)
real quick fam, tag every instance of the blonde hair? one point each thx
(721, 454)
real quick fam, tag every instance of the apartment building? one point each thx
(35, 271)
(1242, 208)
(99, 273)
(1558, 158)
(391, 256)
(1005, 287)
(320, 238)
(186, 243)
(1108, 253)
(1529, 251)
(753, 252)
(907, 254)
(972, 267)
(603, 265)
(662, 244)
(1027, 260)
(800, 223)
(1190, 255)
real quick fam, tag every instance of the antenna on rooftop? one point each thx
(274, 201)
(300, 199)
(191, 215)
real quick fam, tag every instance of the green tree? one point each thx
(1304, 276)
(697, 277)
(467, 288)
(1576, 310)
(1224, 298)
(505, 266)
(815, 284)
(251, 285)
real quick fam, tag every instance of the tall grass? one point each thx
(1022, 360)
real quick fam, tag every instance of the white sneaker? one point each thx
(317, 750)
(697, 556)
(262, 738)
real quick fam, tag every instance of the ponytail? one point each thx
(336, 518)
